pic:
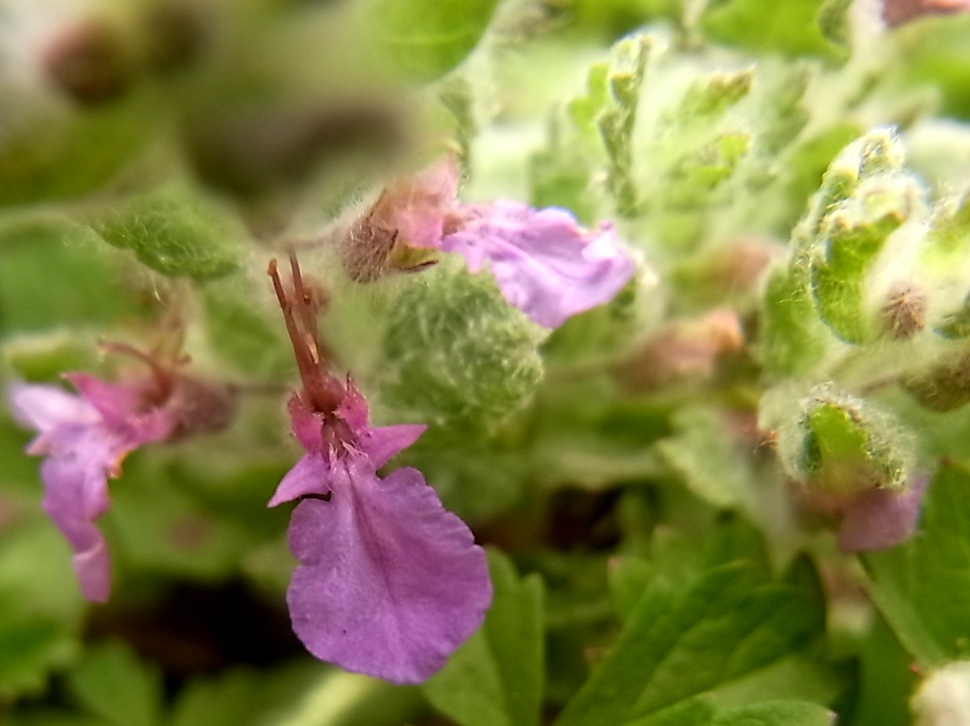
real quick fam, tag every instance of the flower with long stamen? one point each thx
(389, 582)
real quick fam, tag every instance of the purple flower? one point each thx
(877, 519)
(85, 439)
(544, 263)
(389, 583)
(899, 12)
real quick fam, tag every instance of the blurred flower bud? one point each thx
(400, 230)
(729, 270)
(684, 350)
(837, 443)
(254, 151)
(175, 34)
(457, 355)
(89, 62)
(903, 314)
(200, 406)
(898, 12)
(944, 387)
(943, 698)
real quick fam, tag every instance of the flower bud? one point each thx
(903, 314)
(457, 355)
(898, 12)
(946, 386)
(685, 350)
(943, 697)
(88, 61)
(200, 407)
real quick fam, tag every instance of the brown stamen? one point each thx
(323, 391)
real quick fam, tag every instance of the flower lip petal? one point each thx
(390, 583)
(43, 407)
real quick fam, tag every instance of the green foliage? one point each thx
(175, 232)
(114, 684)
(805, 27)
(496, 677)
(428, 38)
(730, 622)
(921, 585)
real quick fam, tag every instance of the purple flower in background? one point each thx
(85, 438)
(899, 12)
(544, 263)
(389, 582)
(877, 519)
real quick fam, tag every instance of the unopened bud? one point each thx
(898, 12)
(89, 62)
(728, 270)
(943, 698)
(408, 217)
(903, 314)
(685, 350)
(945, 387)
(175, 34)
(201, 406)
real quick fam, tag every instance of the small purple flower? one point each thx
(899, 12)
(544, 263)
(85, 439)
(877, 519)
(389, 582)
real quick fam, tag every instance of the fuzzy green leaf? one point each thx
(177, 233)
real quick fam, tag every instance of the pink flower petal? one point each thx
(390, 583)
(879, 519)
(310, 476)
(544, 263)
(85, 439)
(383, 443)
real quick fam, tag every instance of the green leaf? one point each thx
(617, 120)
(427, 38)
(176, 232)
(112, 682)
(496, 677)
(69, 156)
(730, 623)
(706, 458)
(776, 713)
(922, 586)
(792, 28)
(793, 340)
(82, 283)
